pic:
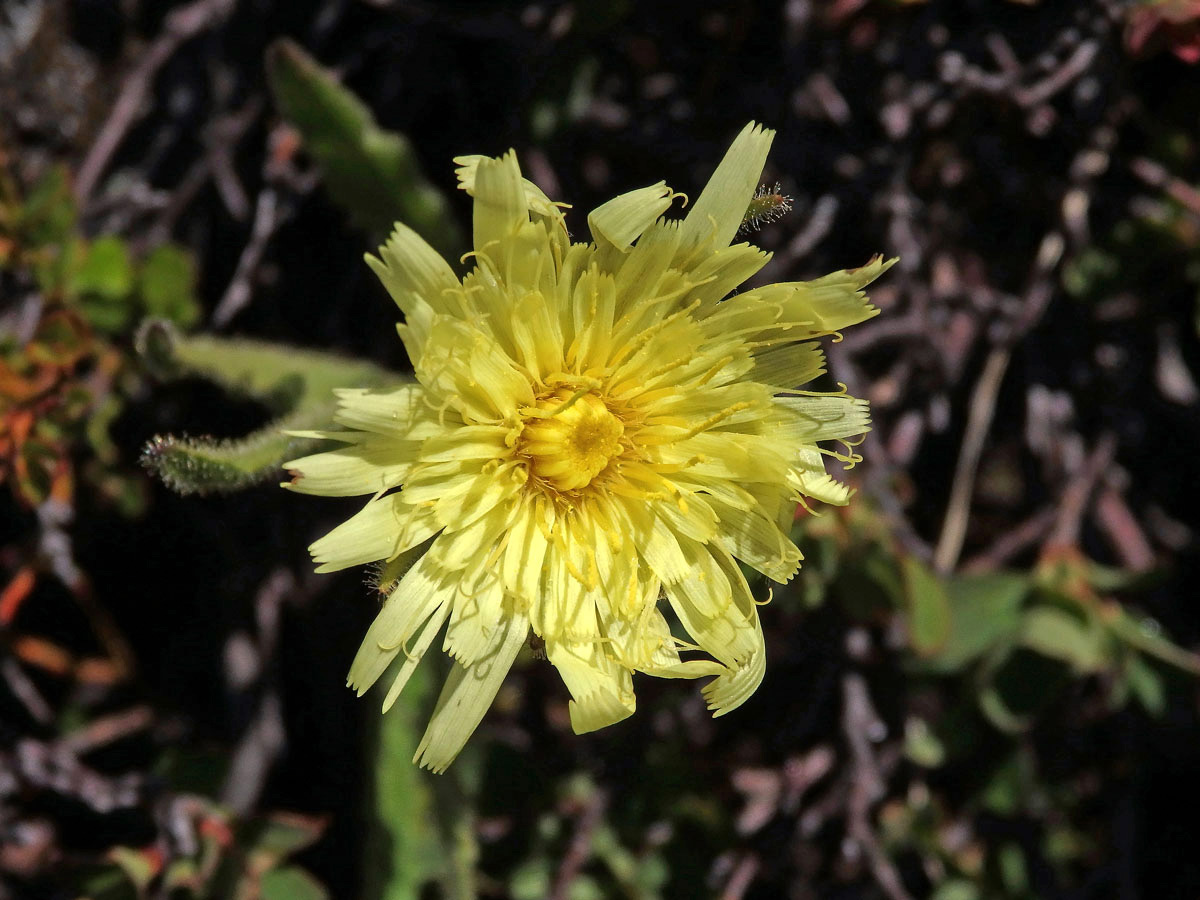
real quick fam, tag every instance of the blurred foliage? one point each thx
(64, 373)
(233, 860)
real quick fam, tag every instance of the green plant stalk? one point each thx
(421, 825)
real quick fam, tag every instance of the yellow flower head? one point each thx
(597, 434)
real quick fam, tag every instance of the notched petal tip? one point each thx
(718, 212)
(621, 221)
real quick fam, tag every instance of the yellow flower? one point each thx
(597, 434)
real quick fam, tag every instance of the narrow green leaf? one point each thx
(403, 850)
(269, 841)
(1146, 685)
(956, 889)
(168, 285)
(927, 607)
(1013, 871)
(997, 711)
(372, 173)
(291, 883)
(984, 610)
(1146, 636)
(106, 270)
(1058, 634)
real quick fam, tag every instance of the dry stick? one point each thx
(41, 766)
(741, 878)
(181, 25)
(268, 215)
(983, 402)
(580, 847)
(1037, 297)
(26, 691)
(265, 738)
(1034, 304)
(1156, 176)
(867, 785)
(816, 229)
(215, 164)
(108, 729)
(979, 420)
(1117, 521)
(1073, 67)
(1074, 502)
(56, 548)
(1013, 542)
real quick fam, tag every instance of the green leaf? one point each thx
(296, 384)
(1081, 643)
(927, 607)
(997, 711)
(984, 610)
(372, 173)
(921, 745)
(1004, 793)
(168, 286)
(107, 882)
(106, 270)
(403, 851)
(48, 215)
(1013, 872)
(291, 883)
(585, 888)
(139, 866)
(1145, 634)
(956, 889)
(531, 880)
(1017, 684)
(1146, 685)
(269, 841)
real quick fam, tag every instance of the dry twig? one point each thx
(867, 785)
(181, 25)
(580, 848)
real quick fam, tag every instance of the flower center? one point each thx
(569, 440)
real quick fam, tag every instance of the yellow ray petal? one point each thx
(620, 221)
(380, 530)
(500, 205)
(421, 592)
(717, 213)
(467, 694)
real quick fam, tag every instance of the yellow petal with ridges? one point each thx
(380, 530)
(467, 694)
(620, 221)
(369, 467)
(500, 206)
(414, 652)
(420, 593)
(717, 213)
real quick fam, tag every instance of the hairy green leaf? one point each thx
(297, 385)
(372, 173)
